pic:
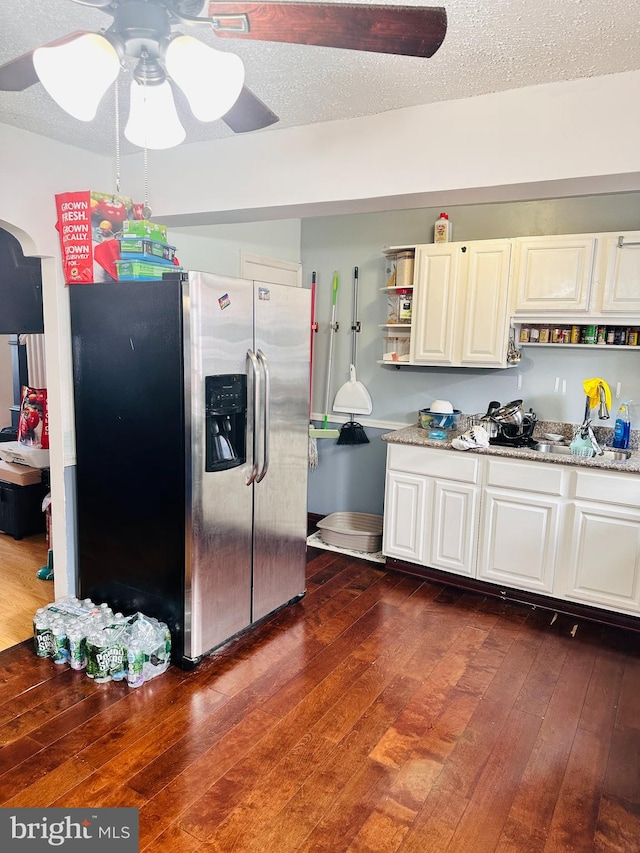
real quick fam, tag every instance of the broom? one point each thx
(353, 432)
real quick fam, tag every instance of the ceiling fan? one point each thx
(211, 80)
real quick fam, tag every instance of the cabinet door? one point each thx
(622, 274)
(554, 274)
(434, 303)
(404, 506)
(603, 566)
(485, 304)
(451, 536)
(519, 539)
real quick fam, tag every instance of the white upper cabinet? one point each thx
(620, 270)
(485, 305)
(461, 302)
(554, 274)
(435, 298)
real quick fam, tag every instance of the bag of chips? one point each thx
(33, 424)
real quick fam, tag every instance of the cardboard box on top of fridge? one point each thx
(148, 251)
(89, 225)
(144, 229)
(19, 475)
(21, 454)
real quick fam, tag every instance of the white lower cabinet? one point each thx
(430, 516)
(602, 565)
(521, 524)
(451, 532)
(403, 531)
(565, 532)
(519, 539)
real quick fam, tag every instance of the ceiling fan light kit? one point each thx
(153, 118)
(77, 74)
(77, 70)
(192, 65)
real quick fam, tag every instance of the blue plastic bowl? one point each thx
(436, 420)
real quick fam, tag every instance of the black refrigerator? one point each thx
(191, 431)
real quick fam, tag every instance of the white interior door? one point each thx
(270, 270)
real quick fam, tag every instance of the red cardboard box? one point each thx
(89, 224)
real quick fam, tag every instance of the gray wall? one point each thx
(352, 478)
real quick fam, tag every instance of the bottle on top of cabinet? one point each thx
(442, 229)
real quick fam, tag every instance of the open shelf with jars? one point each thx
(399, 295)
(611, 336)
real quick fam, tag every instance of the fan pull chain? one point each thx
(117, 128)
(146, 209)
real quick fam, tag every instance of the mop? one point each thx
(325, 431)
(353, 397)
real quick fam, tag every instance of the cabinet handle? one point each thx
(463, 248)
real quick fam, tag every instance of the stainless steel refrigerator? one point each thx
(191, 419)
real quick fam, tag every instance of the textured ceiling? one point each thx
(490, 46)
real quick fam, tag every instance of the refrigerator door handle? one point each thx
(255, 375)
(266, 415)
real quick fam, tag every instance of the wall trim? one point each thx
(518, 596)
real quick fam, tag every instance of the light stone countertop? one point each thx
(416, 436)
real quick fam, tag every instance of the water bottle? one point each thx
(61, 647)
(135, 664)
(77, 645)
(106, 614)
(98, 656)
(42, 634)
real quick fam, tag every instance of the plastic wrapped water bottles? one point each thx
(109, 646)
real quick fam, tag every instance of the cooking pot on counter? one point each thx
(487, 422)
(492, 428)
(511, 413)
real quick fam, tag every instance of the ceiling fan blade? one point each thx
(18, 74)
(403, 30)
(249, 113)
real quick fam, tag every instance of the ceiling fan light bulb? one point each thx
(210, 79)
(77, 74)
(153, 120)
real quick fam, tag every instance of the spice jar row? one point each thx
(542, 333)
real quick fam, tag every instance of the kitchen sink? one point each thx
(543, 447)
(608, 453)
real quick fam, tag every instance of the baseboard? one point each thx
(313, 518)
(584, 611)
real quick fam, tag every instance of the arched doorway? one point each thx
(23, 546)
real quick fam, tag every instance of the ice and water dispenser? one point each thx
(226, 421)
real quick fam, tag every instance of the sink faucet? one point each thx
(603, 411)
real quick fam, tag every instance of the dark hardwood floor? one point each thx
(381, 713)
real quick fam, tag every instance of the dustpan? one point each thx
(352, 397)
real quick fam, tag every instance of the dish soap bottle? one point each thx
(442, 229)
(622, 428)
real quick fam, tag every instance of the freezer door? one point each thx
(282, 329)
(218, 322)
